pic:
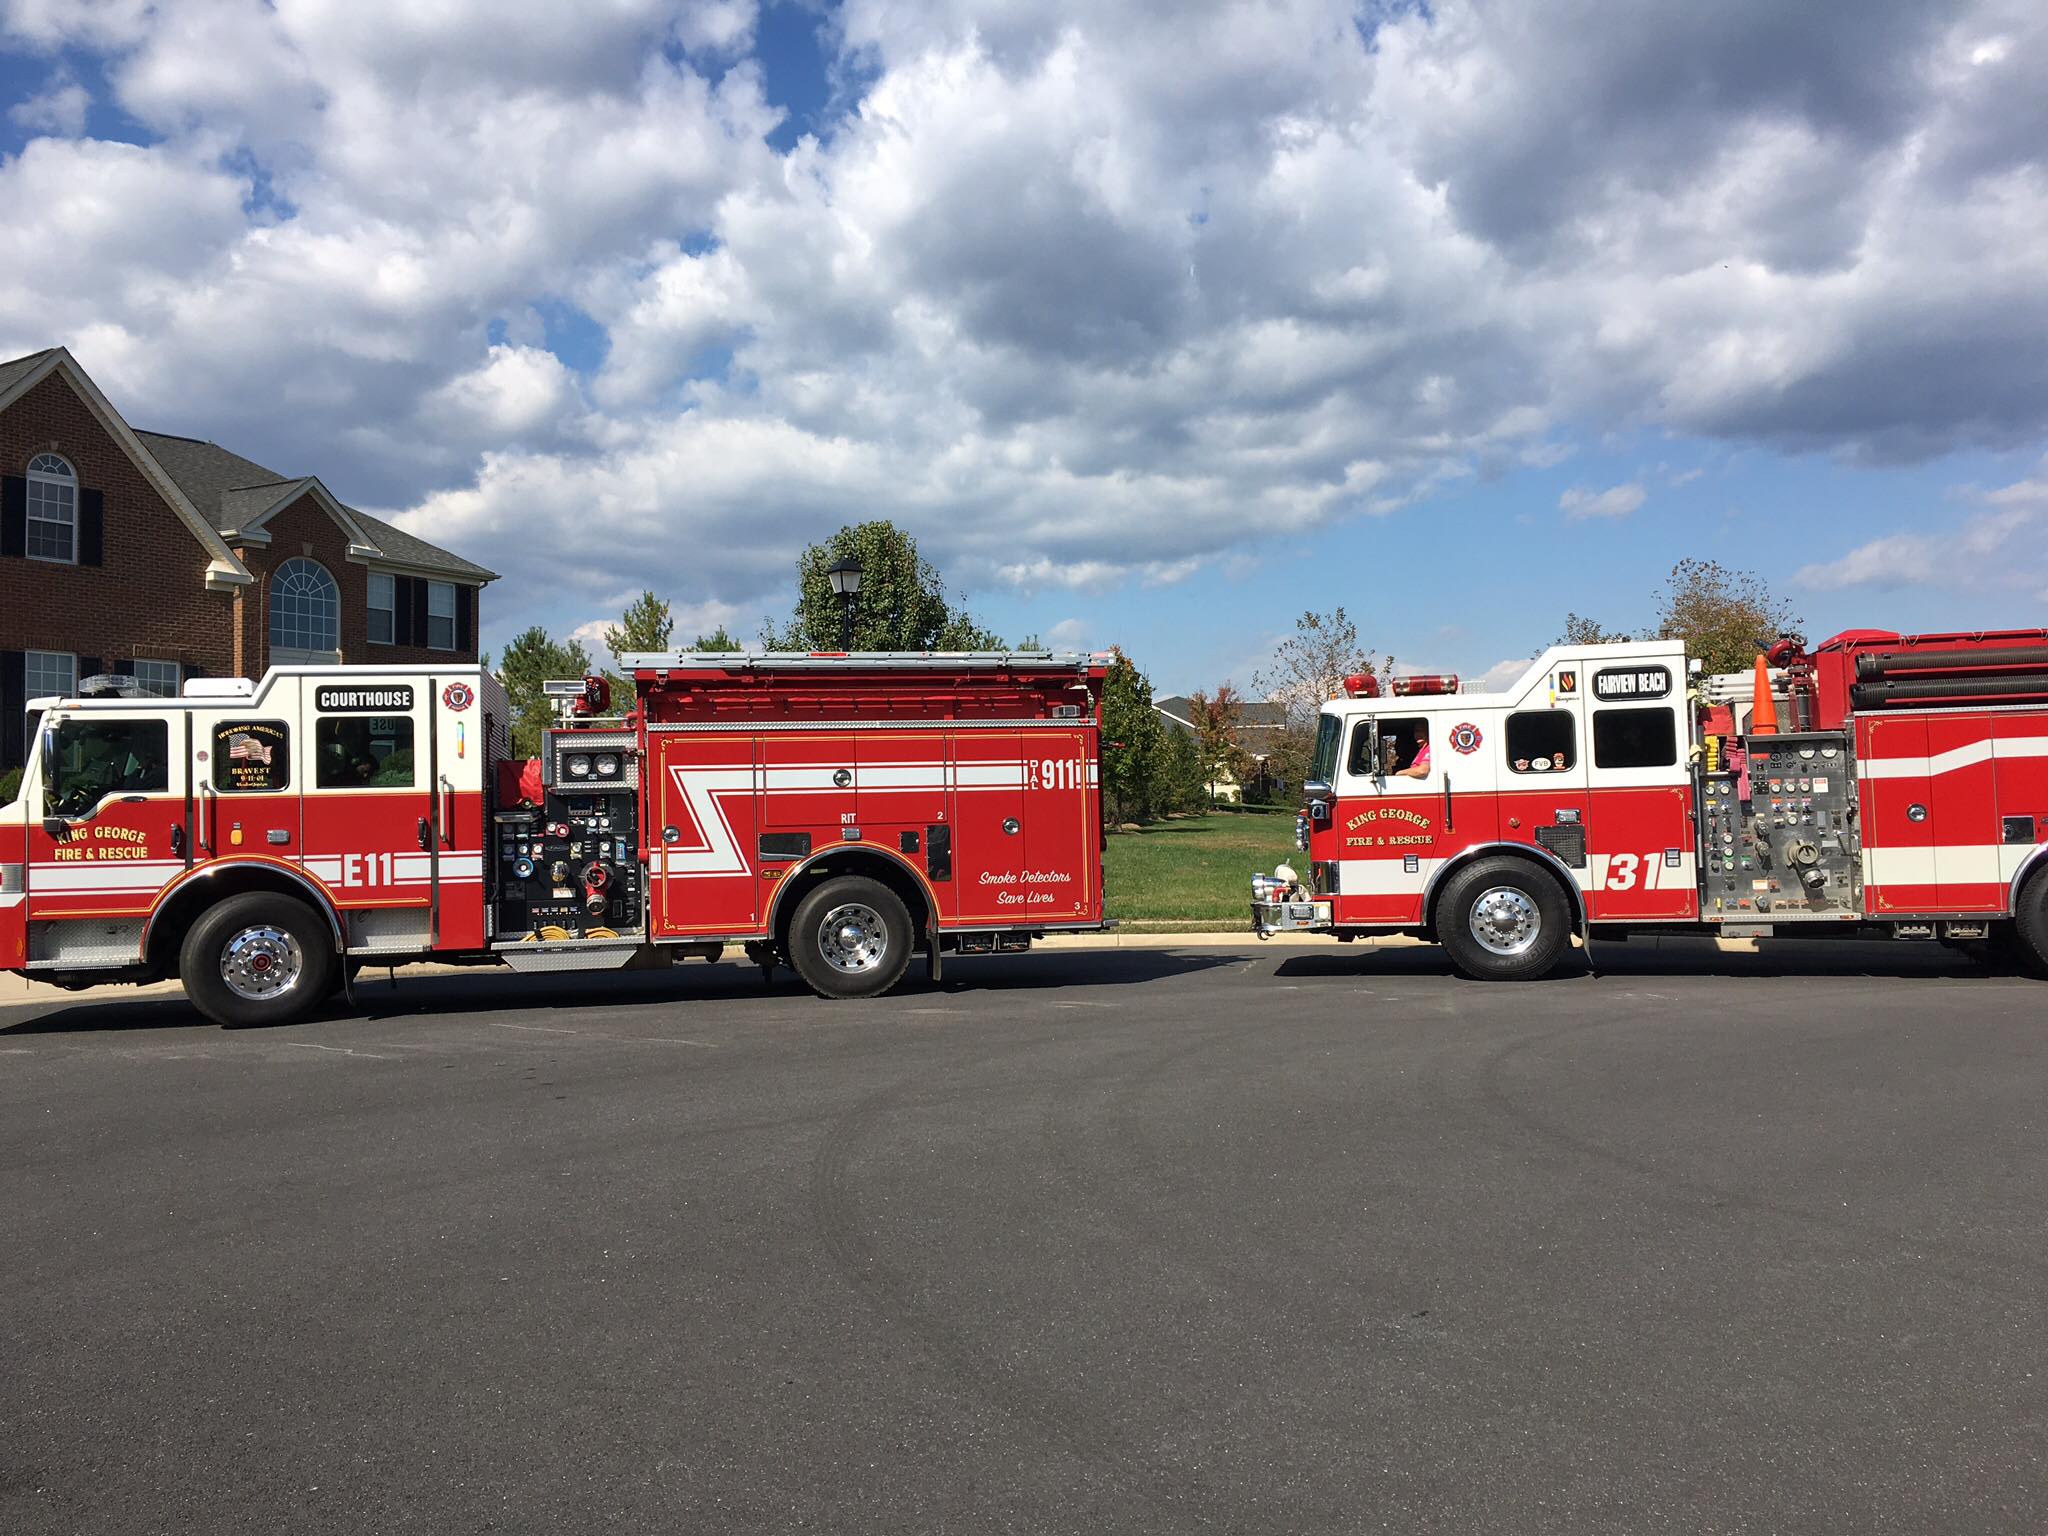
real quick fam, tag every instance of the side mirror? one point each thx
(1318, 795)
(57, 828)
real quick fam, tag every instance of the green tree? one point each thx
(902, 604)
(1180, 783)
(646, 625)
(530, 660)
(1724, 617)
(717, 640)
(1131, 743)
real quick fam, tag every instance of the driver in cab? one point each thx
(1417, 766)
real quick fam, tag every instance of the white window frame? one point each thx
(291, 644)
(389, 608)
(34, 661)
(175, 680)
(434, 590)
(48, 482)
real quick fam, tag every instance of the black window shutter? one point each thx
(92, 527)
(465, 619)
(13, 515)
(13, 680)
(420, 634)
(401, 610)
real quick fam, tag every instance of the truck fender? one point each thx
(1535, 854)
(855, 854)
(201, 888)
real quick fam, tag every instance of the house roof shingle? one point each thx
(15, 367)
(1253, 714)
(235, 491)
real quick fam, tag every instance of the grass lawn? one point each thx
(1196, 873)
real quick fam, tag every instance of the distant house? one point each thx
(1259, 725)
(167, 558)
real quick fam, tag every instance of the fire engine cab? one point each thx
(832, 813)
(1880, 786)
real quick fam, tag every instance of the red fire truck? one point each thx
(834, 813)
(1880, 786)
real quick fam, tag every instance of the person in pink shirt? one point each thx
(1419, 767)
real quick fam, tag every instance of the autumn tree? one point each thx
(530, 660)
(1307, 670)
(1216, 718)
(901, 606)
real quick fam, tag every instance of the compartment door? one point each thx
(1898, 823)
(989, 849)
(1962, 813)
(703, 827)
(1061, 843)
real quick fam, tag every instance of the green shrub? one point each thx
(10, 785)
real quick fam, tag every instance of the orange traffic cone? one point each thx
(1763, 710)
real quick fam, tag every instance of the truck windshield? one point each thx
(97, 758)
(1329, 731)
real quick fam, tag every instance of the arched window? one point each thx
(52, 510)
(305, 608)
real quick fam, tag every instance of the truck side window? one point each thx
(363, 752)
(1635, 738)
(1404, 747)
(97, 758)
(1541, 741)
(250, 756)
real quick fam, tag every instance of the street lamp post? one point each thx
(844, 574)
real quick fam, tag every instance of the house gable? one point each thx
(223, 570)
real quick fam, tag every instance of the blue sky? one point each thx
(1461, 317)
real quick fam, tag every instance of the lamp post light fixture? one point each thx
(844, 574)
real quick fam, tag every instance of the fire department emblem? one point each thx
(1465, 737)
(458, 696)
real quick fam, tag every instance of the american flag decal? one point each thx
(247, 749)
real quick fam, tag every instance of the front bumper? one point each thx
(1271, 917)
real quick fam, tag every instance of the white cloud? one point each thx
(1616, 501)
(1994, 550)
(59, 108)
(1083, 300)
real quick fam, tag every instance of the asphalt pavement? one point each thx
(1305, 1239)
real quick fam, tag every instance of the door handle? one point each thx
(426, 834)
(1447, 802)
(178, 841)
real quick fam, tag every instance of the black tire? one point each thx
(257, 959)
(2030, 922)
(851, 937)
(1503, 919)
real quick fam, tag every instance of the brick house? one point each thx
(171, 558)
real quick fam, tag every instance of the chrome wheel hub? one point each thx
(853, 938)
(261, 962)
(1505, 921)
